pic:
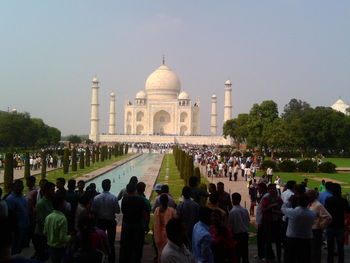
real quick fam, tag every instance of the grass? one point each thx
(344, 178)
(339, 162)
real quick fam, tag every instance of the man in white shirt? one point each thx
(175, 251)
(105, 206)
(238, 221)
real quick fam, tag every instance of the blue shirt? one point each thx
(201, 241)
(323, 197)
(17, 204)
(188, 211)
(300, 221)
(105, 206)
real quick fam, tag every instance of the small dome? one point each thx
(184, 96)
(141, 95)
(95, 80)
(341, 106)
(213, 96)
(163, 83)
(228, 82)
(112, 94)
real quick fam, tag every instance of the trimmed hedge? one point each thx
(327, 167)
(268, 163)
(307, 166)
(287, 166)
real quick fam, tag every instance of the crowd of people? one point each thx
(69, 222)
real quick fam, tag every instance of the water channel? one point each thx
(120, 175)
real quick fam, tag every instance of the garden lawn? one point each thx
(342, 178)
(339, 162)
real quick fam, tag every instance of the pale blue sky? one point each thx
(270, 49)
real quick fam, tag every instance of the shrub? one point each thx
(307, 166)
(26, 166)
(197, 173)
(66, 161)
(269, 163)
(74, 160)
(87, 157)
(97, 153)
(287, 166)
(327, 167)
(82, 160)
(43, 165)
(8, 175)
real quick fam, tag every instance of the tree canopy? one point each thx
(20, 130)
(300, 127)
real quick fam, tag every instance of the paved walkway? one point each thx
(19, 174)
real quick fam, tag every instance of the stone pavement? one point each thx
(19, 174)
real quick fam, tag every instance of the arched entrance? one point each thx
(162, 123)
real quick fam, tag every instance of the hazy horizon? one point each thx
(276, 50)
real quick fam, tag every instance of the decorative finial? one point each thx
(163, 60)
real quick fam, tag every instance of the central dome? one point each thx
(163, 83)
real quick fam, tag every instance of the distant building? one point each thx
(341, 106)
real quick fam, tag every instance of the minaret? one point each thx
(214, 116)
(111, 127)
(94, 121)
(228, 105)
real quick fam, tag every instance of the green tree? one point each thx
(103, 153)
(88, 156)
(74, 160)
(43, 165)
(237, 129)
(126, 148)
(74, 139)
(295, 109)
(66, 161)
(259, 117)
(93, 155)
(8, 175)
(197, 173)
(26, 166)
(97, 153)
(81, 160)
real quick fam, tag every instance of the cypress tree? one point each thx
(74, 160)
(197, 173)
(66, 161)
(26, 166)
(81, 160)
(55, 160)
(8, 174)
(43, 165)
(97, 154)
(109, 153)
(102, 153)
(88, 156)
(121, 149)
(93, 155)
(126, 148)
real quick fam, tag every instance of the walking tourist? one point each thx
(18, 208)
(238, 221)
(323, 218)
(133, 234)
(162, 215)
(188, 212)
(336, 205)
(105, 206)
(201, 237)
(175, 250)
(299, 231)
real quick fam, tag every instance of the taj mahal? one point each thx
(160, 113)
